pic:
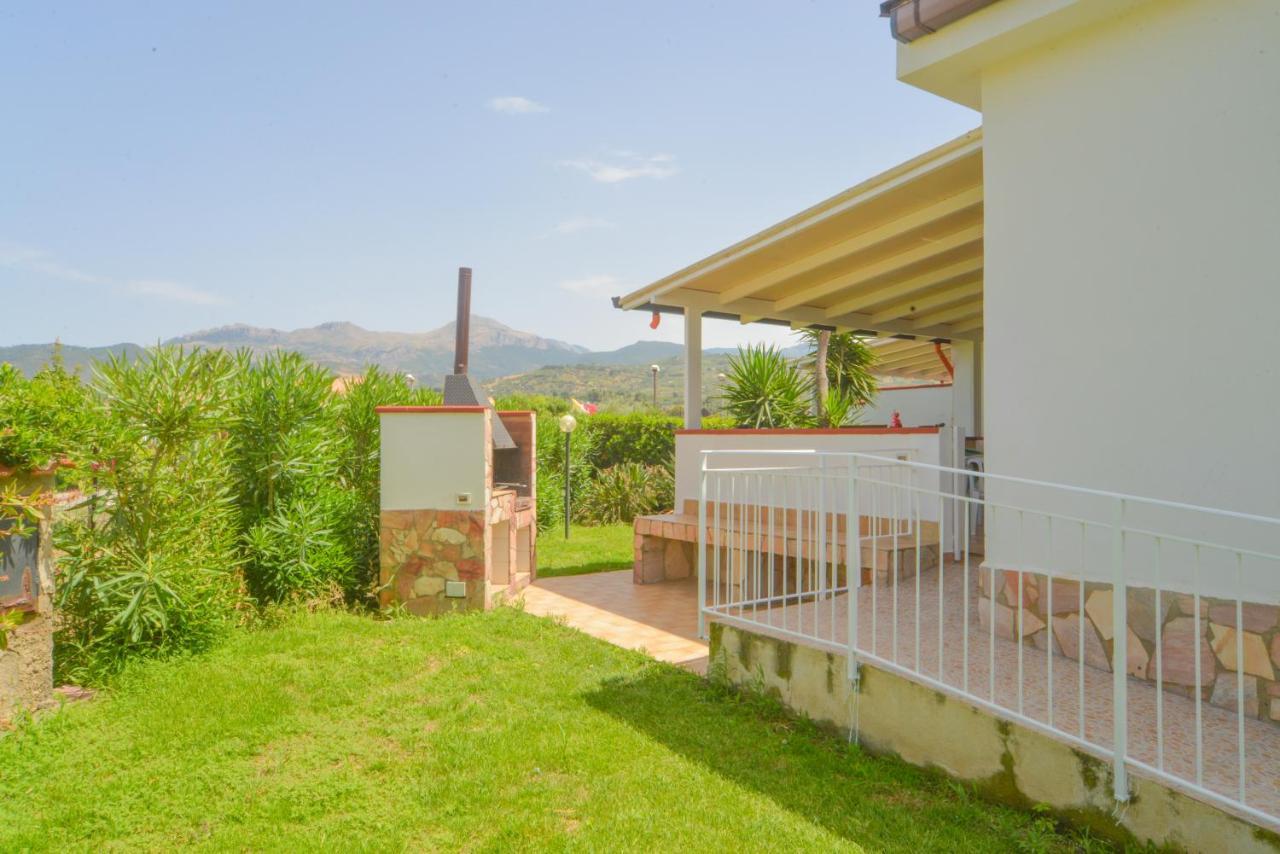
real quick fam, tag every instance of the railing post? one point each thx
(821, 511)
(853, 565)
(1119, 652)
(702, 550)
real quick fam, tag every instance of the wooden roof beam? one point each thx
(884, 267)
(910, 308)
(949, 315)
(858, 243)
(898, 290)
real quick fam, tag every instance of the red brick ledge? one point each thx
(812, 431)
(445, 410)
(910, 387)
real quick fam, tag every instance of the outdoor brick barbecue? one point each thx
(458, 511)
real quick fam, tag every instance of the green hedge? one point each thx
(638, 437)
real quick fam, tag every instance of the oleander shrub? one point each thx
(222, 484)
(304, 551)
(152, 567)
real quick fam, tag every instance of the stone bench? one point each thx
(666, 544)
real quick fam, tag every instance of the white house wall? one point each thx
(1132, 180)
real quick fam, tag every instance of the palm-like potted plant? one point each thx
(841, 366)
(763, 388)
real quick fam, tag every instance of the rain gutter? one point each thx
(913, 19)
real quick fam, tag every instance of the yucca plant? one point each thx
(842, 409)
(620, 493)
(765, 389)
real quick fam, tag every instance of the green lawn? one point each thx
(494, 732)
(587, 550)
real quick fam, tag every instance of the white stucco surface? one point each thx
(429, 459)
(1132, 179)
(920, 406)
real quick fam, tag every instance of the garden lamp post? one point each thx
(567, 425)
(653, 369)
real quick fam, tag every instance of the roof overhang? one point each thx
(949, 62)
(898, 255)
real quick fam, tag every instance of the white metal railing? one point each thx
(885, 560)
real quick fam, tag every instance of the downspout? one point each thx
(913, 19)
(942, 357)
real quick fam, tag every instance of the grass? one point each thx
(491, 732)
(595, 549)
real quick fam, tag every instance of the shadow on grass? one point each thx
(811, 771)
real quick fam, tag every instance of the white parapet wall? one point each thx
(917, 405)
(757, 448)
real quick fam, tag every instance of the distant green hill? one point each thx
(30, 358)
(618, 387)
(508, 361)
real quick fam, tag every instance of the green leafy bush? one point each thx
(539, 403)
(636, 437)
(42, 419)
(551, 469)
(622, 492)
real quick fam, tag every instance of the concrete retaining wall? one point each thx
(1006, 761)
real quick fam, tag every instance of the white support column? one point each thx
(692, 368)
(964, 388)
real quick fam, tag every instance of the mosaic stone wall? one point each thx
(1213, 632)
(423, 549)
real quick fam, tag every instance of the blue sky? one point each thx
(167, 167)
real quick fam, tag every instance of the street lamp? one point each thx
(567, 425)
(654, 370)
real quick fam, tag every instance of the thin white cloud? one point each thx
(626, 165)
(42, 263)
(575, 224)
(599, 285)
(173, 292)
(516, 105)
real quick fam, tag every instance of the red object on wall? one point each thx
(896, 420)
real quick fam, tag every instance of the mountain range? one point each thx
(497, 350)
